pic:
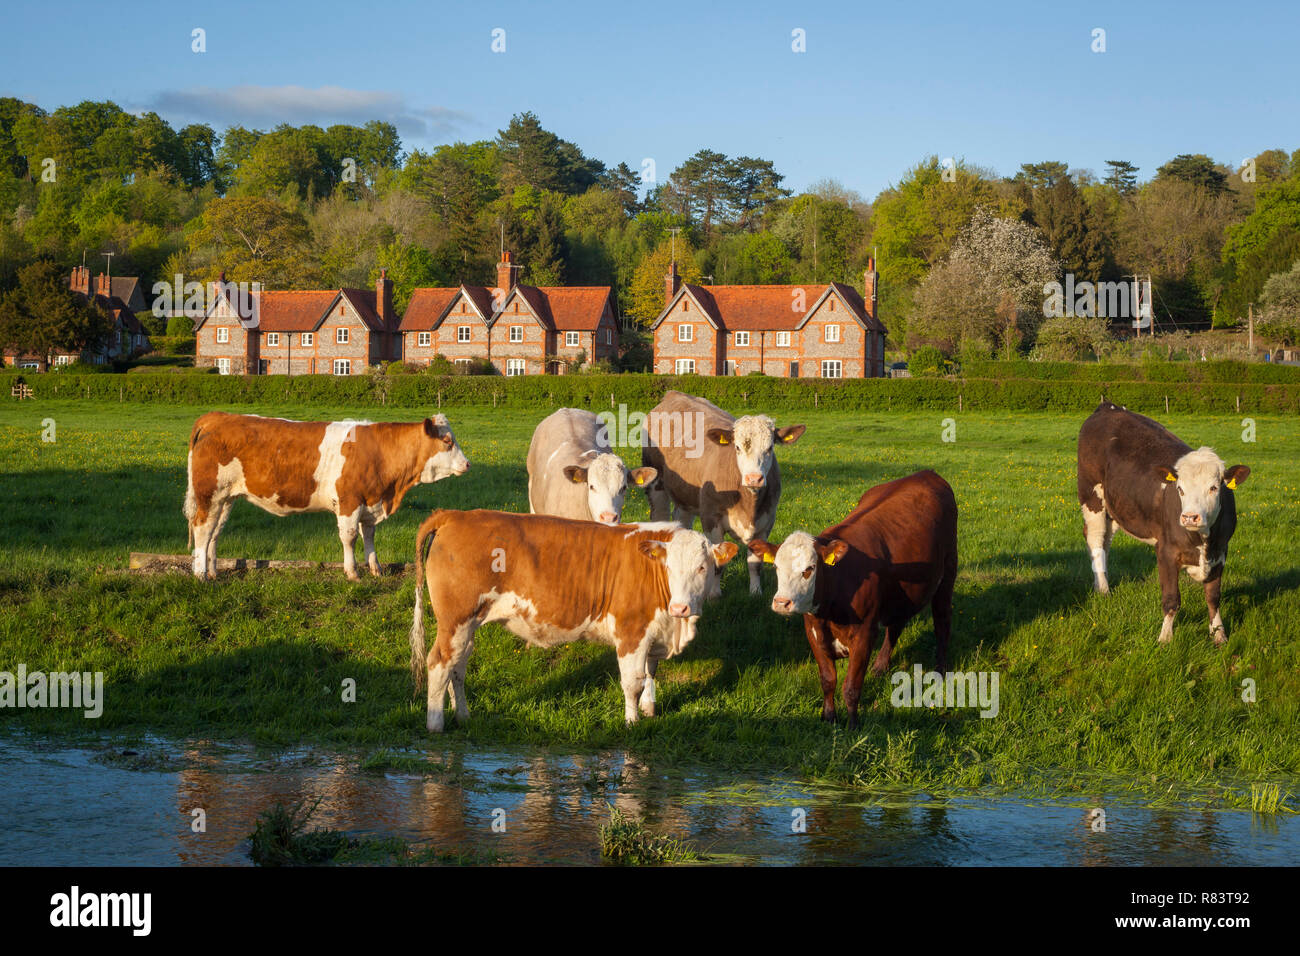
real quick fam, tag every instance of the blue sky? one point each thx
(876, 91)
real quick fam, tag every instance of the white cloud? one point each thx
(264, 107)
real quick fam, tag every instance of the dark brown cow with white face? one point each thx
(716, 467)
(637, 588)
(895, 553)
(1136, 474)
(357, 470)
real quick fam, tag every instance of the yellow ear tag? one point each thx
(1232, 483)
(829, 559)
(1169, 476)
(768, 559)
(723, 441)
(639, 480)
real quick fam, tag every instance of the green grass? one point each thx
(1087, 696)
(625, 840)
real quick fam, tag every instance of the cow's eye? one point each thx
(700, 570)
(1180, 492)
(808, 572)
(1214, 490)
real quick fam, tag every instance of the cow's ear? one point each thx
(433, 429)
(654, 550)
(832, 551)
(1166, 473)
(643, 476)
(722, 553)
(576, 474)
(790, 434)
(762, 549)
(721, 436)
(1235, 475)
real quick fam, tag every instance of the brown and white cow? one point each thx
(1136, 474)
(358, 470)
(573, 474)
(716, 467)
(638, 588)
(894, 553)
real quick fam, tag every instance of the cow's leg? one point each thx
(881, 663)
(453, 641)
(646, 703)
(716, 533)
(825, 665)
(348, 535)
(459, 665)
(1169, 597)
(1098, 527)
(1213, 586)
(222, 518)
(368, 542)
(633, 675)
(207, 525)
(863, 637)
(941, 608)
(660, 503)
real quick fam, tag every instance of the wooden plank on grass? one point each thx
(143, 561)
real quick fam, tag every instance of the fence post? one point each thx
(1166, 404)
(440, 399)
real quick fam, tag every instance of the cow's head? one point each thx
(444, 457)
(754, 437)
(1199, 476)
(798, 561)
(607, 479)
(689, 559)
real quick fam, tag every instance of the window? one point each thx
(742, 338)
(515, 367)
(423, 339)
(832, 333)
(685, 366)
(342, 366)
(272, 339)
(729, 368)
(794, 369)
(308, 338)
(223, 336)
(516, 333)
(223, 366)
(63, 360)
(783, 339)
(263, 366)
(462, 361)
(30, 364)
(685, 333)
(571, 340)
(341, 336)
(462, 333)
(609, 336)
(831, 368)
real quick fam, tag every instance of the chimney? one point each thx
(507, 272)
(80, 281)
(672, 282)
(102, 286)
(869, 287)
(384, 299)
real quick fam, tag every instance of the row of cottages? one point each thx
(121, 297)
(795, 331)
(520, 329)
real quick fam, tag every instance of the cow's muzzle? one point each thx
(782, 605)
(608, 517)
(679, 610)
(755, 480)
(1191, 520)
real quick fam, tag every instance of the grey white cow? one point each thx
(573, 474)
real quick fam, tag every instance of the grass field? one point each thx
(1088, 700)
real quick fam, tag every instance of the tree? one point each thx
(1197, 169)
(646, 295)
(536, 157)
(253, 239)
(1122, 176)
(41, 315)
(1280, 316)
(1263, 244)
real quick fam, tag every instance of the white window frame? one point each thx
(833, 366)
(516, 333)
(341, 335)
(685, 332)
(30, 364)
(308, 338)
(609, 336)
(343, 366)
(742, 338)
(463, 333)
(571, 340)
(423, 339)
(783, 340)
(730, 367)
(223, 366)
(516, 366)
(272, 339)
(685, 366)
(63, 360)
(832, 334)
(223, 335)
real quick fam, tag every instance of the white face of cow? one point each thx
(1199, 477)
(689, 559)
(607, 479)
(798, 562)
(451, 460)
(755, 438)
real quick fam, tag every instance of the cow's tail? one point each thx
(423, 540)
(190, 508)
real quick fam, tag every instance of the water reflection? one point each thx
(65, 806)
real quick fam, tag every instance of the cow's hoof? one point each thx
(434, 723)
(1164, 638)
(353, 576)
(1219, 635)
(1103, 588)
(375, 572)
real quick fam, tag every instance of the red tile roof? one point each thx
(561, 308)
(770, 308)
(426, 308)
(575, 308)
(293, 311)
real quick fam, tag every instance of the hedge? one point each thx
(1224, 372)
(643, 391)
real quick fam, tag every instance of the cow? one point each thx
(1136, 474)
(716, 467)
(358, 470)
(894, 553)
(638, 588)
(573, 474)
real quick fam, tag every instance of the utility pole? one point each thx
(673, 230)
(1250, 329)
